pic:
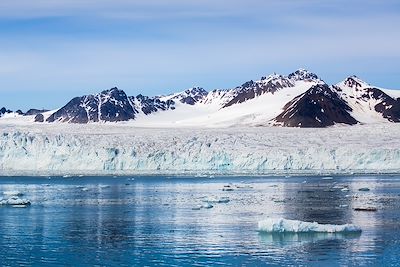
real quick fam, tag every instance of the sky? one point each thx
(51, 51)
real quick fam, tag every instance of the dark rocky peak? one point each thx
(317, 107)
(150, 105)
(39, 117)
(110, 105)
(4, 110)
(34, 111)
(191, 96)
(354, 82)
(303, 75)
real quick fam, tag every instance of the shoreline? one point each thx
(194, 175)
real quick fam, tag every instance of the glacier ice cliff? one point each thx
(103, 149)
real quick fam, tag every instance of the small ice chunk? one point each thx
(327, 178)
(217, 200)
(364, 189)
(207, 206)
(366, 209)
(294, 226)
(345, 189)
(223, 200)
(13, 193)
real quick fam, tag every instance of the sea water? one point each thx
(201, 221)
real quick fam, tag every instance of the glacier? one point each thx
(122, 149)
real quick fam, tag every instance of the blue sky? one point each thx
(52, 50)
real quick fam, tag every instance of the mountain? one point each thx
(304, 75)
(317, 107)
(34, 111)
(300, 99)
(190, 96)
(3, 111)
(252, 89)
(110, 105)
(368, 103)
(149, 105)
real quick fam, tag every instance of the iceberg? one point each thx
(294, 226)
(14, 201)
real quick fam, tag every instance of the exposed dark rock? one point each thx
(110, 105)
(388, 106)
(39, 118)
(34, 111)
(150, 105)
(3, 111)
(252, 89)
(190, 96)
(359, 93)
(317, 107)
(303, 75)
(354, 82)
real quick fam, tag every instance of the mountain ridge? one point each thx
(293, 100)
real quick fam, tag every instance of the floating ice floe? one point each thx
(217, 200)
(365, 189)
(14, 201)
(13, 193)
(207, 206)
(294, 226)
(366, 209)
(327, 178)
(227, 188)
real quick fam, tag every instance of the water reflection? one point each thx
(151, 221)
(293, 239)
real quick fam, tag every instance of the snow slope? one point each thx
(209, 112)
(49, 149)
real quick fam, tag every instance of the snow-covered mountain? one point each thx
(368, 103)
(4, 111)
(300, 99)
(109, 105)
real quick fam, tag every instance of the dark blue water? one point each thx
(106, 221)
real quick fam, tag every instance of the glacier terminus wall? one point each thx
(117, 149)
